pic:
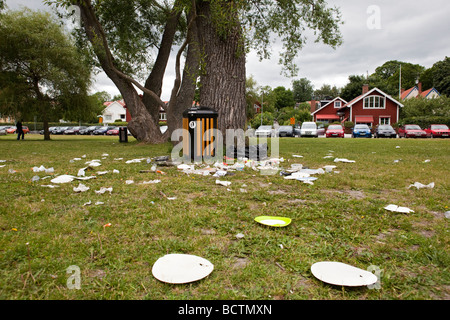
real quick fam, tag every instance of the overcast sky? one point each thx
(375, 31)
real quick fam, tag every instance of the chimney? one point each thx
(419, 85)
(313, 105)
(365, 88)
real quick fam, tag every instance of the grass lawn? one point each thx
(44, 231)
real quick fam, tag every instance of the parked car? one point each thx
(264, 131)
(334, 130)
(74, 130)
(13, 129)
(309, 129)
(297, 130)
(102, 130)
(60, 130)
(385, 130)
(438, 131)
(3, 130)
(50, 129)
(285, 131)
(113, 132)
(361, 130)
(89, 130)
(321, 129)
(411, 131)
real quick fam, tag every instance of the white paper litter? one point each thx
(135, 160)
(42, 168)
(419, 185)
(297, 156)
(151, 181)
(116, 171)
(343, 160)
(223, 183)
(49, 186)
(103, 190)
(129, 181)
(395, 208)
(81, 188)
(65, 178)
(341, 274)
(181, 268)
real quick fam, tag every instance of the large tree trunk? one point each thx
(142, 125)
(183, 96)
(223, 82)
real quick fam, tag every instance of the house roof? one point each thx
(427, 92)
(351, 103)
(407, 92)
(332, 101)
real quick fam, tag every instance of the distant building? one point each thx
(416, 91)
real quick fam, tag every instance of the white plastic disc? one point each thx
(181, 268)
(342, 274)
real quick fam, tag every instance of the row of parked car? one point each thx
(12, 129)
(311, 129)
(83, 130)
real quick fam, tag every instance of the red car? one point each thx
(411, 131)
(438, 131)
(13, 129)
(113, 132)
(334, 130)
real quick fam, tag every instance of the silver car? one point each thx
(308, 129)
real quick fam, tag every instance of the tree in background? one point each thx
(283, 98)
(41, 71)
(303, 90)
(438, 76)
(326, 92)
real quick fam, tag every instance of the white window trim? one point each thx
(381, 98)
(384, 117)
(336, 106)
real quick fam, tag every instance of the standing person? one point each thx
(19, 130)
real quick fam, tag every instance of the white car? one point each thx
(264, 131)
(308, 129)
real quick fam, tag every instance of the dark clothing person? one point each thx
(19, 130)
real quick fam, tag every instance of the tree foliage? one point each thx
(302, 89)
(41, 71)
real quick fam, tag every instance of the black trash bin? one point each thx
(123, 134)
(199, 124)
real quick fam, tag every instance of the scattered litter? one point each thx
(12, 171)
(42, 168)
(397, 147)
(81, 188)
(93, 163)
(240, 236)
(223, 183)
(3, 165)
(118, 159)
(327, 157)
(343, 160)
(242, 190)
(341, 274)
(220, 173)
(419, 185)
(116, 171)
(135, 160)
(103, 190)
(273, 221)
(395, 208)
(129, 181)
(426, 161)
(48, 186)
(87, 203)
(447, 214)
(297, 156)
(165, 196)
(100, 173)
(65, 178)
(107, 225)
(181, 268)
(35, 178)
(151, 181)
(329, 168)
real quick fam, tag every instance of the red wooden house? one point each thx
(328, 112)
(373, 107)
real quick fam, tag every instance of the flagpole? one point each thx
(400, 84)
